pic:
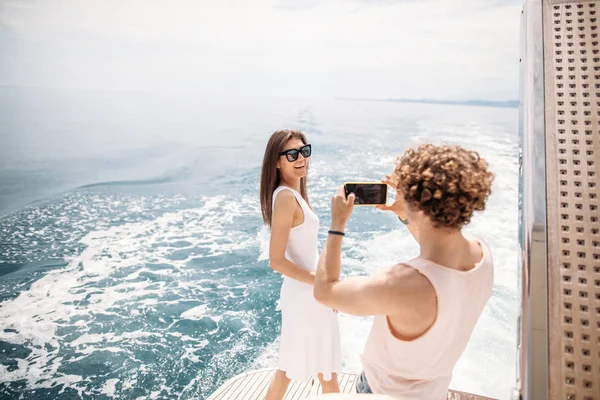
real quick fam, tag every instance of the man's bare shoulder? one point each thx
(405, 279)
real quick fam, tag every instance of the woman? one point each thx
(426, 308)
(310, 340)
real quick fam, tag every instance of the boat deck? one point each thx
(252, 385)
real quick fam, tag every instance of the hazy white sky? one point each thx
(445, 49)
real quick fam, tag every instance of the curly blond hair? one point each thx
(447, 183)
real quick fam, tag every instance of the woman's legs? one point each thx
(278, 386)
(329, 386)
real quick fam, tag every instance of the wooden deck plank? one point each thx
(302, 389)
(297, 390)
(264, 386)
(258, 380)
(291, 390)
(263, 392)
(251, 379)
(343, 381)
(244, 386)
(306, 390)
(227, 387)
(221, 389)
(349, 385)
(235, 390)
(236, 386)
(354, 382)
(253, 385)
(317, 388)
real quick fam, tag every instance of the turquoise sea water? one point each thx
(133, 260)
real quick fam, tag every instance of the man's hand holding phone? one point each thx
(398, 207)
(341, 209)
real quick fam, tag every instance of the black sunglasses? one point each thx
(292, 154)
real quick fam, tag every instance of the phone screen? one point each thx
(367, 193)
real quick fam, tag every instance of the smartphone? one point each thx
(367, 193)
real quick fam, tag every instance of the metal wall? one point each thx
(559, 335)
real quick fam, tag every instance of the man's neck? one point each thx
(442, 246)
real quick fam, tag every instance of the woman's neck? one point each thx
(296, 185)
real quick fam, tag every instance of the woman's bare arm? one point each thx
(281, 224)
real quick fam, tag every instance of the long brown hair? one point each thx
(269, 176)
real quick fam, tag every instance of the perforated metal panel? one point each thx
(572, 115)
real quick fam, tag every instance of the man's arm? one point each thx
(328, 268)
(384, 293)
(387, 292)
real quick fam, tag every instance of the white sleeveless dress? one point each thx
(310, 334)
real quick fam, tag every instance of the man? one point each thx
(425, 309)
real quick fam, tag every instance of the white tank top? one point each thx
(302, 246)
(422, 368)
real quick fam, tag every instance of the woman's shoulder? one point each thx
(285, 191)
(284, 197)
